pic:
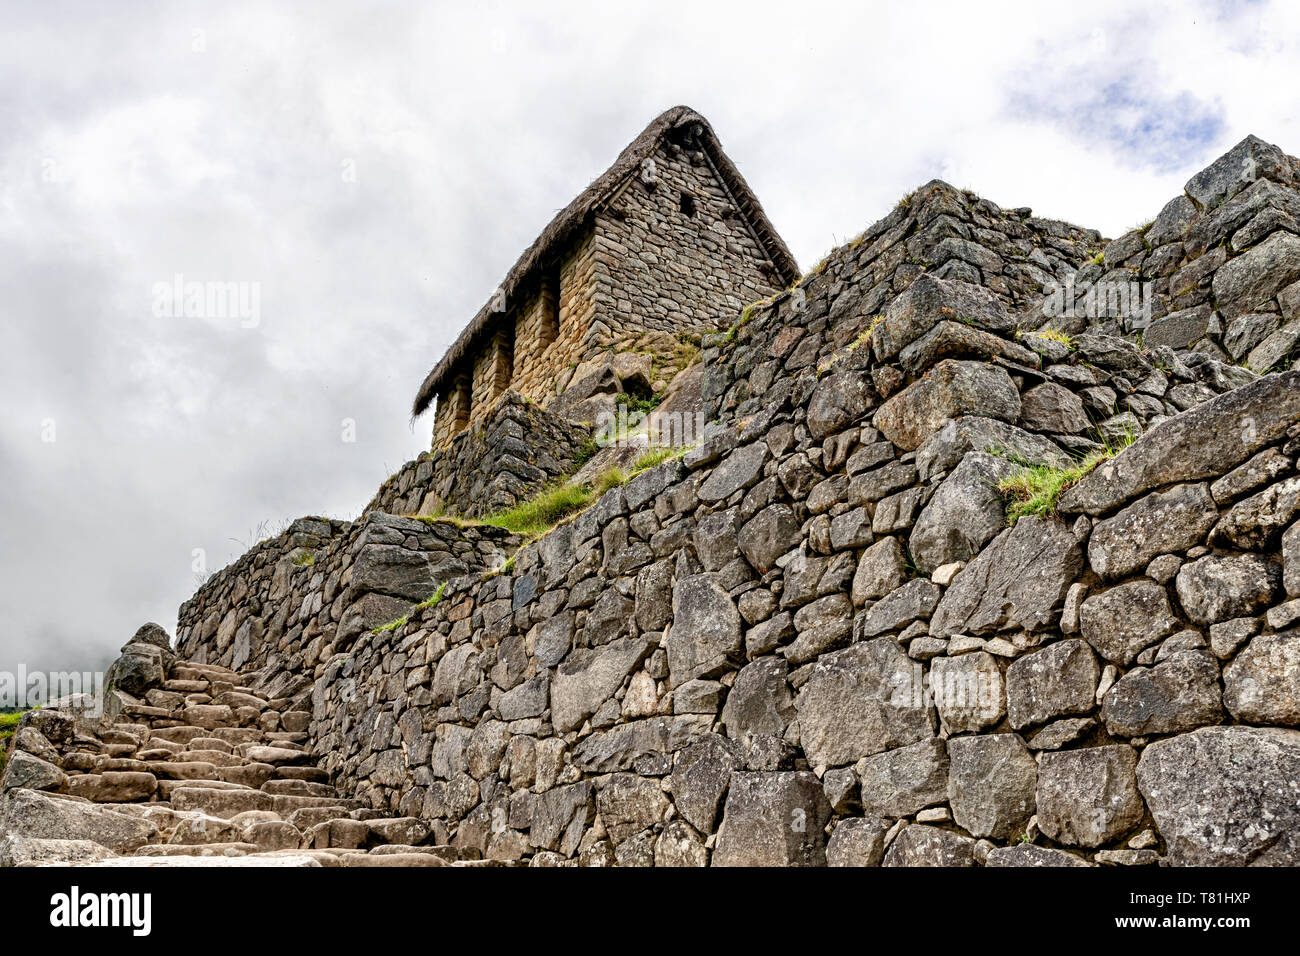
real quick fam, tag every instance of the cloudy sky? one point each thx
(370, 171)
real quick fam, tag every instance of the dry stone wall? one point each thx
(520, 450)
(816, 638)
(295, 600)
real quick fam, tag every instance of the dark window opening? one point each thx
(549, 327)
(461, 407)
(688, 205)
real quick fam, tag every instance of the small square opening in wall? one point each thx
(687, 205)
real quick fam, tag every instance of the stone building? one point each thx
(668, 240)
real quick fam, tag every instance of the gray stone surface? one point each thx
(1017, 582)
(1120, 622)
(901, 782)
(991, 783)
(860, 701)
(963, 515)
(1226, 796)
(1160, 523)
(1262, 685)
(1178, 694)
(1057, 681)
(1204, 442)
(1088, 797)
(773, 819)
(1219, 587)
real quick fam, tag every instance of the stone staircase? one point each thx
(189, 767)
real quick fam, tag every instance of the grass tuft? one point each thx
(1037, 489)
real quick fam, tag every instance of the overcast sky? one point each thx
(371, 171)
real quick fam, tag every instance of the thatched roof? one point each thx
(574, 216)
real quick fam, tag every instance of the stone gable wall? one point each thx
(642, 267)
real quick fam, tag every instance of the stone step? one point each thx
(314, 774)
(228, 849)
(168, 787)
(289, 859)
(300, 788)
(250, 775)
(285, 804)
(221, 803)
(392, 859)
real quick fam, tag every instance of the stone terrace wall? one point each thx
(520, 450)
(1223, 261)
(821, 616)
(295, 600)
(938, 230)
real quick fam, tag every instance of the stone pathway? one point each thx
(197, 770)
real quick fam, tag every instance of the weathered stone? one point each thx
(760, 702)
(1160, 523)
(928, 301)
(1250, 160)
(839, 400)
(1204, 442)
(1017, 582)
(738, 470)
(1180, 693)
(768, 535)
(1057, 681)
(1226, 796)
(560, 816)
(900, 782)
(705, 635)
(857, 841)
(590, 676)
(881, 569)
(1218, 587)
(1262, 685)
(629, 804)
(968, 692)
(680, 845)
(1258, 521)
(945, 448)
(1026, 854)
(951, 388)
(27, 770)
(920, 845)
(1053, 408)
(963, 515)
(773, 819)
(139, 668)
(1178, 330)
(33, 814)
(860, 701)
(1088, 797)
(916, 599)
(1124, 620)
(701, 774)
(1248, 281)
(18, 850)
(991, 784)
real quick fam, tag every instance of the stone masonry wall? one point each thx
(520, 450)
(295, 600)
(820, 615)
(816, 638)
